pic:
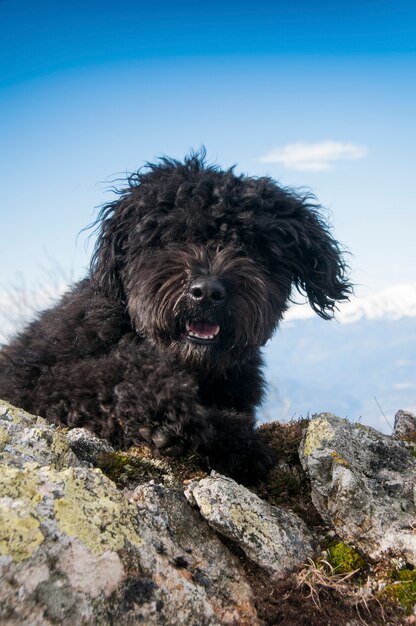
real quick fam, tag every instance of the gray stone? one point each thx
(87, 446)
(405, 426)
(272, 537)
(26, 438)
(188, 554)
(364, 484)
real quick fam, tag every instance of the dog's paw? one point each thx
(165, 443)
(174, 438)
(162, 440)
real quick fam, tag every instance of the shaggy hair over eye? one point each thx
(192, 271)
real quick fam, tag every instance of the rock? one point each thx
(364, 484)
(87, 446)
(62, 539)
(405, 426)
(81, 544)
(189, 555)
(26, 438)
(272, 537)
(75, 550)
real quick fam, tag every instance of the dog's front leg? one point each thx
(162, 410)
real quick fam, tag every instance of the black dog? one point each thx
(192, 271)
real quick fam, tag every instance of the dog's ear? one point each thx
(321, 270)
(109, 257)
(317, 261)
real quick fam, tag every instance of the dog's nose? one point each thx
(208, 290)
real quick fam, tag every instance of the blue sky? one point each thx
(316, 94)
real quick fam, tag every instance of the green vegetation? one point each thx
(402, 589)
(344, 559)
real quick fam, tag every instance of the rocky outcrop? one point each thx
(364, 484)
(75, 550)
(93, 536)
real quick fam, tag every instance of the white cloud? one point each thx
(314, 157)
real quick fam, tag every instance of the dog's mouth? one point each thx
(202, 332)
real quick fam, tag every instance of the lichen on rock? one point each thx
(364, 484)
(90, 511)
(19, 529)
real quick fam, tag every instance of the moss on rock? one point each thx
(344, 559)
(125, 469)
(287, 484)
(402, 589)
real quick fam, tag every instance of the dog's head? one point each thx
(205, 260)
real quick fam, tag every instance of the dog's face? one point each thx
(209, 303)
(205, 260)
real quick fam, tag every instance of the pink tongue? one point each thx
(203, 329)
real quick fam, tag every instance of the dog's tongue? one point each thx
(203, 329)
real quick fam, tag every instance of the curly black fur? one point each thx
(185, 249)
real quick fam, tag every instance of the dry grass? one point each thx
(321, 579)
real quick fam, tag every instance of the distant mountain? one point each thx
(361, 365)
(392, 303)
